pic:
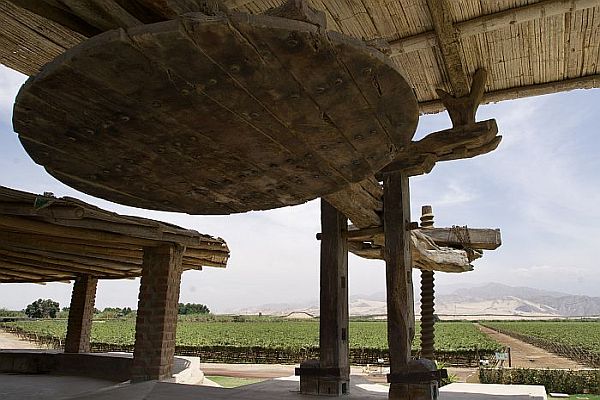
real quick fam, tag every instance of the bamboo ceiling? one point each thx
(528, 47)
(44, 239)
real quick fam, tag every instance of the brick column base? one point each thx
(81, 312)
(157, 313)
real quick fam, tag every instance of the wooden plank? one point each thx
(46, 271)
(268, 82)
(101, 14)
(59, 14)
(102, 264)
(400, 301)
(21, 257)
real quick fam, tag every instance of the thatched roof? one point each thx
(528, 47)
(44, 239)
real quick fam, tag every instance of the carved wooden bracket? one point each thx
(466, 138)
(462, 109)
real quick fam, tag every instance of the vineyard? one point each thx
(577, 340)
(459, 343)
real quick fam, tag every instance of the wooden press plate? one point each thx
(215, 114)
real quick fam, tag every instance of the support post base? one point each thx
(315, 380)
(420, 381)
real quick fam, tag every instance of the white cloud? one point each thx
(10, 82)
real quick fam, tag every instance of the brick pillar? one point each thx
(81, 312)
(157, 313)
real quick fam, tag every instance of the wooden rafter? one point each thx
(43, 238)
(448, 41)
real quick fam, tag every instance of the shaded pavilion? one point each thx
(49, 239)
(454, 55)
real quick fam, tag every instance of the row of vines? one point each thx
(577, 340)
(457, 343)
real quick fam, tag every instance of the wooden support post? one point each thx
(427, 297)
(156, 321)
(331, 374)
(81, 312)
(400, 307)
(333, 325)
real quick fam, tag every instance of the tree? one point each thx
(42, 309)
(192, 308)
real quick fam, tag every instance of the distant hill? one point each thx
(488, 300)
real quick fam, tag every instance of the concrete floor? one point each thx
(24, 387)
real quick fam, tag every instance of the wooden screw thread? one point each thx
(427, 297)
(427, 318)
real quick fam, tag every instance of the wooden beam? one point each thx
(54, 272)
(493, 22)
(334, 317)
(448, 41)
(585, 82)
(103, 15)
(38, 227)
(479, 238)
(22, 210)
(398, 266)
(37, 259)
(460, 142)
(59, 14)
(20, 274)
(169, 9)
(360, 202)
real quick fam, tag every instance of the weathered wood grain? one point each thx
(398, 270)
(215, 114)
(43, 238)
(334, 317)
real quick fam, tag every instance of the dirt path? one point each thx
(525, 355)
(10, 341)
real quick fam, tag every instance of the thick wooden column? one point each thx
(81, 312)
(333, 328)
(400, 300)
(330, 375)
(156, 322)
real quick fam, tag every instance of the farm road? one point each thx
(10, 341)
(525, 355)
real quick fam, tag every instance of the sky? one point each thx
(540, 187)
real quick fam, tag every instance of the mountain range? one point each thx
(490, 300)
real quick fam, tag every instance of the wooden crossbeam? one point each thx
(360, 202)
(585, 82)
(479, 238)
(492, 22)
(34, 259)
(460, 142)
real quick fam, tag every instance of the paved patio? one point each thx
(23, 387)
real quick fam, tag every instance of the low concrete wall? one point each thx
(114, 367)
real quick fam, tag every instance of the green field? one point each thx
(450, 336)
(582, 334)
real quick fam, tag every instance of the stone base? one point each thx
(322, 381)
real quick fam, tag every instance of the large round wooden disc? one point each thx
(215, 115)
